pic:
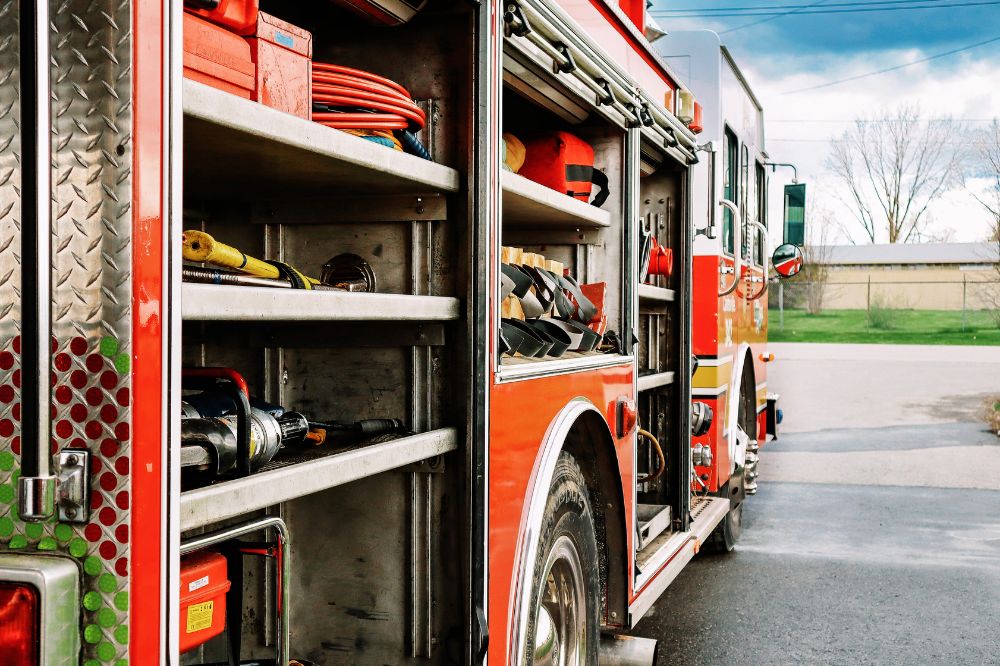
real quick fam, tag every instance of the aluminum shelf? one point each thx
(649, 382)
(238, 147)
(210, 302)
(525, 202)
(311, 473)
(652, 294)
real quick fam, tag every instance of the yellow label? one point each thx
(199, 616)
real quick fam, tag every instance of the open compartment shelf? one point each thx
(651, 294)
(209, 302)
(525, 202)
(310, 472)
(655, 381)
(234, 145)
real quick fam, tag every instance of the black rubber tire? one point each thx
(727, 534)
(568, 513)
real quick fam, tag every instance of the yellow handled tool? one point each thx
(200, 246)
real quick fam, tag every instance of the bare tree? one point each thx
(894, 165)
(985, 164)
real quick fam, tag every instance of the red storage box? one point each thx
(204, 585)
(282, 54)
(217, 57)
(239, 16)
(565, 163)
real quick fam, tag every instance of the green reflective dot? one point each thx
(92, 601)
(78, 547)
(105, 651)
(106, 618)
(33, 530)
(14, 476)
(92, 633)
(121, 662)
(107, 583)
(6, 494)
(109, 346)
(64, 532)
(91, 662)
(6, 526)
(121, 634)
(92, 566)
(17, 542)
(122, 363)
(6, 461)
(121, 601)
(48, 543)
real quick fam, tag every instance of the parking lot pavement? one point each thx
(875, 537)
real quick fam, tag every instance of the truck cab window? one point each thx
(730, 189)
(761, 189)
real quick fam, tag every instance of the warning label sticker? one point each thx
(199, 616)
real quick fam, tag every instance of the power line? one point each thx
(809, 12)
(769, 19)
(863, 3)
(896, 67)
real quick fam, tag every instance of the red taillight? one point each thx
(19, 617)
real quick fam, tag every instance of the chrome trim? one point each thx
(532, 514)
(709, 392)
(737, 251)
(57, 581)
(36, 489)
(559, 366)
(733, 408)
(764, 257)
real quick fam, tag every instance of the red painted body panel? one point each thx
(520, 415)
(148, 330)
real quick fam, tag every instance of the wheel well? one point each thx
(749, 379)
(591, 443)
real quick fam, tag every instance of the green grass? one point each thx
(913, 327)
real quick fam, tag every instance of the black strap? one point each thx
(586, 310)
(583, 173)
(296, 279)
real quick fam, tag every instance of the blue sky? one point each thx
(794, 52)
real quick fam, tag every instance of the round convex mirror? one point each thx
(787, 260)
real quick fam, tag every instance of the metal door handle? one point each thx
(763, 278)
(737, 251)
(36, 489)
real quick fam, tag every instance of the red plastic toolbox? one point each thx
(204, 584)
(217, 57)
(282, 53)
(239, 16)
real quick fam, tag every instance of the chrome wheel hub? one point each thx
(750, 473)
(561, 609)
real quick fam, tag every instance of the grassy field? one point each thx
(916, 327)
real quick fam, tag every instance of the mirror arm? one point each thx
(774, 167)
(764, 256)
(737, 251)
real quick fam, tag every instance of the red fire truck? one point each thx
(469, 438)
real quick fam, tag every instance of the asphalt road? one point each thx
(877, 543)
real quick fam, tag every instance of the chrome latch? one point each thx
(73, 485)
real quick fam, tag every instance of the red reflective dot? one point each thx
(96, 500)
(17, 344)
(121, 431)
(6, 394)
(95, 465)
(78, 346)
(107, 516)
(62, 362)
(92, 532)
(121, 500)
(121, 465)
(16, 411)
(6, 427)
(64, 429)
(55, 344)
(108, 550)
(15, 446)
(109, 380)
(16, 378)
(109, 414)
(122, 397)
(6, 360)
(93, 430)
(95, 363)
(78, 413)
(53, 447)
(108, 481)
(78, 443)
(121, 533)
(78, 378)
(53, 379)
(121, 566)
(109, 448)
(63, 395)
(94, 396)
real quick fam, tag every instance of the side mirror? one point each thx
(787, 260)
(795, 214)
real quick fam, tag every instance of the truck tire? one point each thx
(563, 624)
(727, 534)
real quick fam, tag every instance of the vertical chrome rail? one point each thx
(36, 489)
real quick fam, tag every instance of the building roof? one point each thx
(908, 253)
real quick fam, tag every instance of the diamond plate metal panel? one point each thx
(91, 47)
